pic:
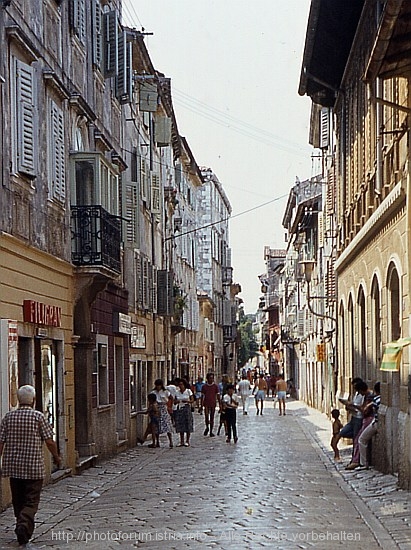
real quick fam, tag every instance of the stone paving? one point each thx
(277, 488)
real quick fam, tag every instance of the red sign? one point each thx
(41, 314)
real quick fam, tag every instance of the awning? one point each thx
(391, 359)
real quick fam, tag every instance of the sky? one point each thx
(235, 68)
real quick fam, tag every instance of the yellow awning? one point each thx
(391, 359)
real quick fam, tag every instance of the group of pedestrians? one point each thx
(362, 426)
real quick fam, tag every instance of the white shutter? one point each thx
(79, 18)
(324, 127)
(320, 230)
(57, 153)
(144, 265)
(154, 289)
(155, 194)
(143, 179)
(25, 118)
(131, 212)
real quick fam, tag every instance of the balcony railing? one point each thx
(96, 237)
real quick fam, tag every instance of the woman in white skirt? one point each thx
(163, 398)
(183, 415)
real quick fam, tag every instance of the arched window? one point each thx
(350, 337)
(362, 340)
(376, 351)
(394, 303)
(341, 346)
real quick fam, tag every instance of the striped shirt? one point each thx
(376, 401)
(23, 432)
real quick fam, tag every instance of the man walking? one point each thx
(210, 397)
(22, 433)
(261, 388)
(244, 388)
(281, 388)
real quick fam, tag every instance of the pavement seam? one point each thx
(379, 531)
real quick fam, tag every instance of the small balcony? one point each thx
(96, 238)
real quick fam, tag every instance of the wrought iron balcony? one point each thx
(96, 237)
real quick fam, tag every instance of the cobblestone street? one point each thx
(277, 488)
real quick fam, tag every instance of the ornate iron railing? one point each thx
(96, 237)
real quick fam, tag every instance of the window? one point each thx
(56, 153)
(394, 302)
(97, 34)
(95, 182)
(133, 386)
(78, 19)
(101, 371)
(25, 118)
(376, 324)
(362, 334)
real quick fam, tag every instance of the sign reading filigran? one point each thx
(41, 314)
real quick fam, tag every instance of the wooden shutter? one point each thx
(164, 292)
(324, 128)
(320, 230)
(139, 280)
(124, 80)
(25, 118)
(144, 266)
(131, 212)
(78, 18)
(97, 34)
(57, 152)
(155, 194)
(110, 43)
(144, 174)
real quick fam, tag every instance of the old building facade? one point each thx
(365, 84)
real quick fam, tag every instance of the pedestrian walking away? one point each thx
(198, 386)
(281, 388)
(230, 405)
(210, 398)
(22, 433)
(260, 387)
(244, 390)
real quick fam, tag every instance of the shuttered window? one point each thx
(78, 19)
(155, 194)
(57, 160)
(124, 77)
(26, 110)
(110, 43)
(97, 34)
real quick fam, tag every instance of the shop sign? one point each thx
(122, 323)
(138, 336)
(41, 314)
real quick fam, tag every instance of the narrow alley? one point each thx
(277, 488)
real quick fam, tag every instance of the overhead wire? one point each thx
(228, 218)
(237, 121)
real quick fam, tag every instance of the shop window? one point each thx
(101, 370)
(362, 334)
(133, 386)
(376, 325)
(394, 303)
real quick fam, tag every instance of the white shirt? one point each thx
(230, 398)
(183, 398)
(244, 387)
(162, 395)
(358, 400)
